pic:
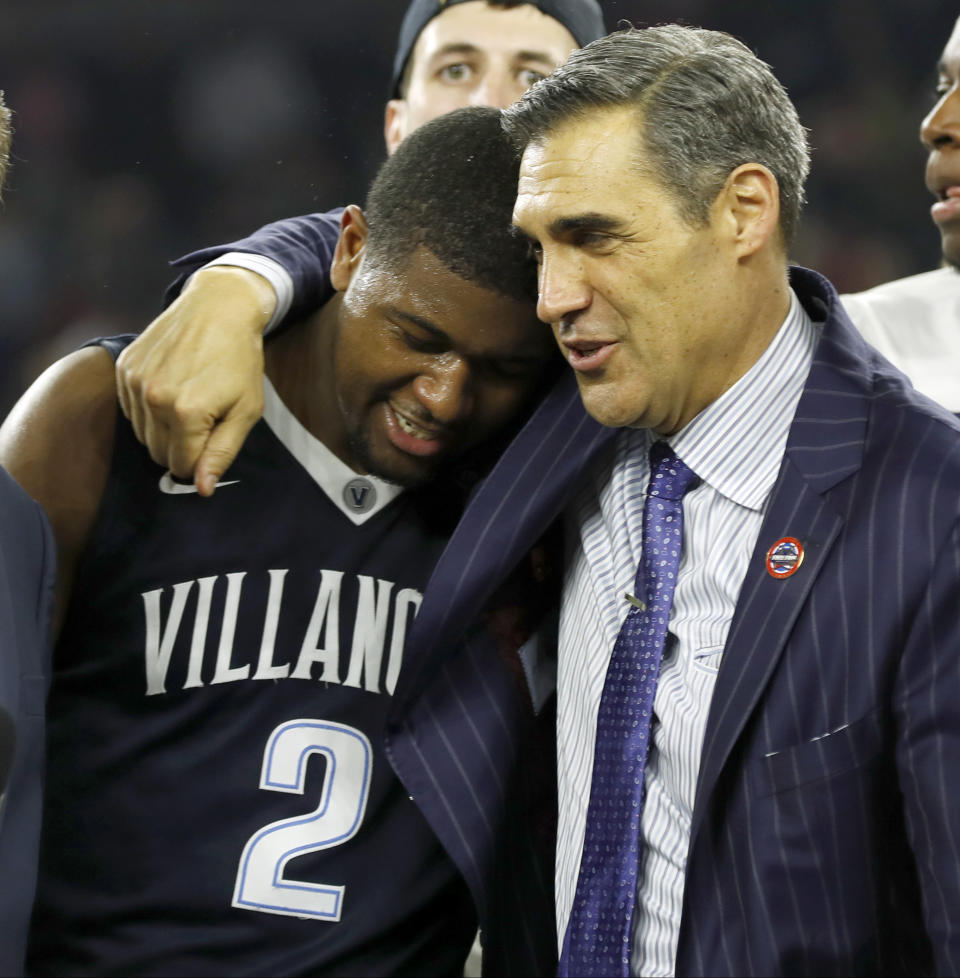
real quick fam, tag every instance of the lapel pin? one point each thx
(784, 558)
(636, 602)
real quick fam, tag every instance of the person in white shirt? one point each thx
(915, 321)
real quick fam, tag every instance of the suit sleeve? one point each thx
(927, 712)
(302, 245)
(27, 567)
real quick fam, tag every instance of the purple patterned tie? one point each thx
(597, 941)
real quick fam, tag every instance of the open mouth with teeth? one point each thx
(410, 428)
(410, 437)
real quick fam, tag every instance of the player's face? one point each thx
(636, 296)
(940, 132)
(475, 54)
(426, 365)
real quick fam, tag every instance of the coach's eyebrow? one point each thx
(584, 222)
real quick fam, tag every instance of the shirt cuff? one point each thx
(269, 269)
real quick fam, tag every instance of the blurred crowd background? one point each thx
(145, 128)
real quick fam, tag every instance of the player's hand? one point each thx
(192, 382)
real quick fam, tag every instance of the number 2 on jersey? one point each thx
(260, 882)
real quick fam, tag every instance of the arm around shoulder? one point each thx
(303, 246)
(192, 383)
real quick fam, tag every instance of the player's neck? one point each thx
(299, 364)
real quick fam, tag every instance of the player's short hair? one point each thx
(6, 136)
(450, 187)
(706, 104)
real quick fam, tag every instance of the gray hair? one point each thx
(6, 135)
(706, 105)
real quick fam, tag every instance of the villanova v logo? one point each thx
(360, 495)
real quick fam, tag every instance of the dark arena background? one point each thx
(147, 127)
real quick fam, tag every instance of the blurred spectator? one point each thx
(915, 321)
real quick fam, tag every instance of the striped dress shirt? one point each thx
(735, 446)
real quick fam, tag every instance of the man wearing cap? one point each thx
(173, 386)
(465, 52)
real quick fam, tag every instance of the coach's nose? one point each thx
(563, 289)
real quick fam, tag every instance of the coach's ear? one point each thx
(751, 201)
(350, 249)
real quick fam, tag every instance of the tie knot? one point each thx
(670, 478)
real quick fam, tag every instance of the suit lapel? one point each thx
(523, 494)
(764, 616)
(824, 448)
(461, 729)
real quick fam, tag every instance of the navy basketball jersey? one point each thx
(218, 798)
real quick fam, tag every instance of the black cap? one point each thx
(583, 18)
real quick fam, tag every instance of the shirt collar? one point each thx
(736, 444)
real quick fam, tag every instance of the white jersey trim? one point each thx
(330, 474)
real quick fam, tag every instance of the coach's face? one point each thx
(424, 363)
(642, 304)
(476, 54)
(940, 132)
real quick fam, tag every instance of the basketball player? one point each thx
(197, 368)
(218, 796)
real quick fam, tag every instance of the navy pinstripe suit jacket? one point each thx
(27, 560)
(826, 831)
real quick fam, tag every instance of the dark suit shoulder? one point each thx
(905, 426)
(24, 532)
(863, 430)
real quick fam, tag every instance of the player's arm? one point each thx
(57, 443)
(192, 384)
